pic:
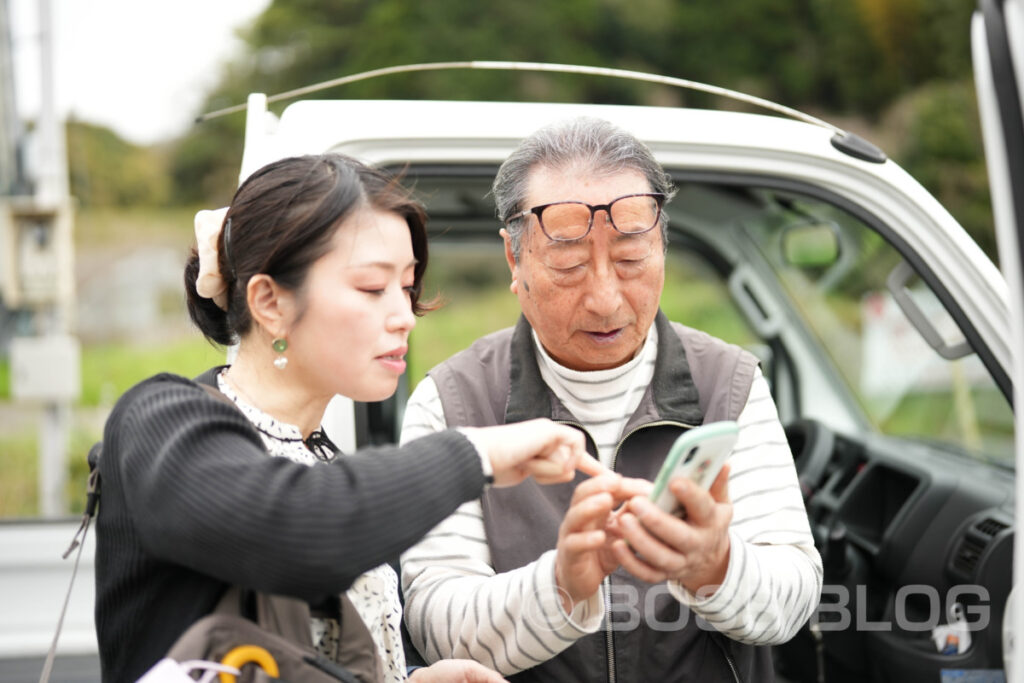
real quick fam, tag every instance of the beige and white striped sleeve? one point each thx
(457, 606)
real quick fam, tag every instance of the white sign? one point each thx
(45, 368)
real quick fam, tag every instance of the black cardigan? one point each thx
(191, 503)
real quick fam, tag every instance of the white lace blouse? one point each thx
(375, 593)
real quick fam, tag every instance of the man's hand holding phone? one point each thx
(657, 543)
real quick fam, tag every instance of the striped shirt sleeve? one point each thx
(457, 606)
(774, 577)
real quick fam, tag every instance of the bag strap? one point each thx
(92, 500)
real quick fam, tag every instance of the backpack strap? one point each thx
(77, 541)
(92, 500)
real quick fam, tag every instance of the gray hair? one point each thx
(585, 143)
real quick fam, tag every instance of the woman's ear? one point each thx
(272, 306)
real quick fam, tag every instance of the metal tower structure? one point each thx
(37, 262)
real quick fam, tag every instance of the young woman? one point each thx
(315, 272)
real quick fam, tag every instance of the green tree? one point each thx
(853, 58)
(105, 170)
(942, 148)
(873, 51)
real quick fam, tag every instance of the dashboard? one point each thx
(912, 539)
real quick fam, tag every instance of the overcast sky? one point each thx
(140, 67)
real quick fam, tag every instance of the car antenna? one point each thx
(531, 66)
(842, 140)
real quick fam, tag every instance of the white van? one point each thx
(882, 327)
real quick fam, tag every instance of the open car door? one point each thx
(997, 37)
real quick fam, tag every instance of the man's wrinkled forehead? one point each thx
(615, 239)
(573, 181)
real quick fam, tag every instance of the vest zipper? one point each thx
(732, 668)
(609, 637)
(728, 659)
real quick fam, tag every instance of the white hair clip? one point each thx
(210, 284)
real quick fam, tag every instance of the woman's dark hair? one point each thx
(282, 219)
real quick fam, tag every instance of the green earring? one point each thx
(280, 345)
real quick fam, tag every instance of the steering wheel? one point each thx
(812, 444)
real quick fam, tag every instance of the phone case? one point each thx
(698, 453)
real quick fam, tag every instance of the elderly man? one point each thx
(549, 583)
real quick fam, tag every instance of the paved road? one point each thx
(77, 669)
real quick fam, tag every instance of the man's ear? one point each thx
(272, 306)
(513, 267)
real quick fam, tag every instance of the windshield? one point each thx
(852, 291)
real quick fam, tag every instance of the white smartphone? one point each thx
(699, 454)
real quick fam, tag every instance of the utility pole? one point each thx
(52, 174)
(11, 172)
(37, 268)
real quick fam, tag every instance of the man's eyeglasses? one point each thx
(566, 221)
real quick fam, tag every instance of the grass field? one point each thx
(108, 370)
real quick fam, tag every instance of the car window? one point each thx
(697, 296)
(846, 284)
(831, 268)
(469, 282)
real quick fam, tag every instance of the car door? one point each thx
(997, 39)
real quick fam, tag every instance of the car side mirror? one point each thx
(811, 246)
